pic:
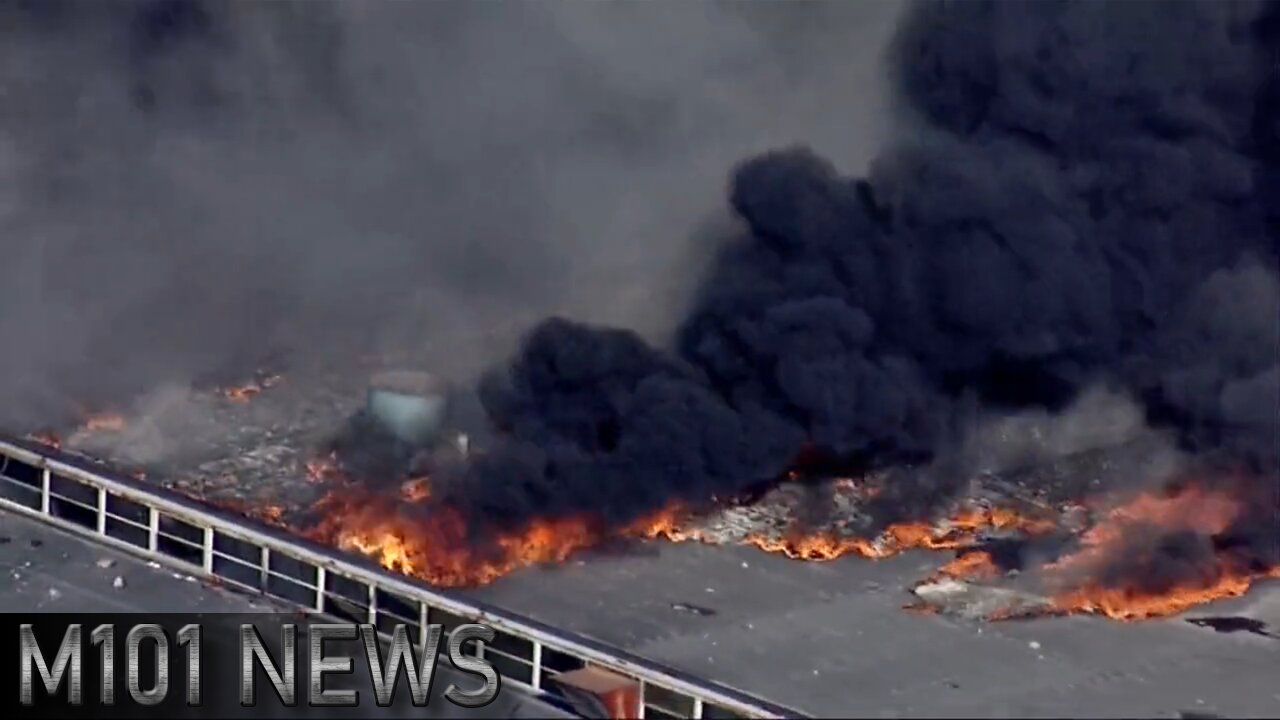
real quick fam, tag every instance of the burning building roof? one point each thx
(1079, 207)
(1076, 552)
(729, 596)
(1048, 238)
(1034, 249)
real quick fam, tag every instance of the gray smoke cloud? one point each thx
(190, 188)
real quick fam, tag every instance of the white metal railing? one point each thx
(178, 532)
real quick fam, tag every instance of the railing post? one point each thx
(263, 568)
(102, 511)
(321, 577)
(697, 708)
(537, 665)
(207, 550)
(373, 604)
(153, 530)
(44, 491)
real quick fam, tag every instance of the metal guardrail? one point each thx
(180, 532)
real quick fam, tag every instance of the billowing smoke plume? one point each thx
(1079, 198)
(190, 188)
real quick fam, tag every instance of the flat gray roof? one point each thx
(44, 569)
(832, 639)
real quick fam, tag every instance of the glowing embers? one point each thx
(249, 390)
(107, 423)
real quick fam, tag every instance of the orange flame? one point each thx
(1131, 604)
(957, 532)
(102, 422)
(246, 392)
(413, 532)
(1204, 512)
(271, 514)
(434, 545)
(322, 468)
(971, 565)
(50, 439)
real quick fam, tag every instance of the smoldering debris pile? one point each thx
(252, 443)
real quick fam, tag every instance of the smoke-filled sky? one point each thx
(1077, 197)
(187, 187)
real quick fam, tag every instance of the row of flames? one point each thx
(410, 533)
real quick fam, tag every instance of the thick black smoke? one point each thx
(1084, 195)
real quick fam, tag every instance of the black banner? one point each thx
(204, 677)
